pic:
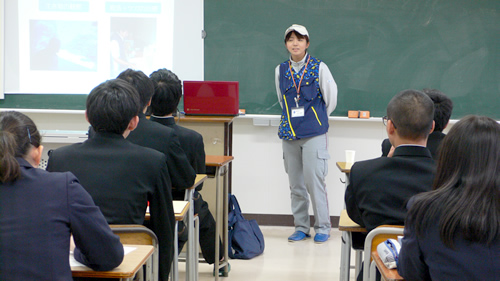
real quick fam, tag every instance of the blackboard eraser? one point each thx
(358, 114)
(241, 112)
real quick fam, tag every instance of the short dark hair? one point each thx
(465, 198)
(168, 92)
(141, 83)
(443, 106)
(111, 105)
(412, 113)
(300, 36)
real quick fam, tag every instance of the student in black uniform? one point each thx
(155, 136)
(121, 177)
(168, 92)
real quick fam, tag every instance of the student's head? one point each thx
(297, 40)
(443, 107)
(141, 83)
(466, 190)
(410, 114)
(470, 155)
(168, 92)
(112, 105)
(19, 137)
(300, 31)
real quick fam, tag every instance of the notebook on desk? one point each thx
(211, 98)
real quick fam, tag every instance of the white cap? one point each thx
(297, 28)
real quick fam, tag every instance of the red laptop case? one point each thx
(211, 97)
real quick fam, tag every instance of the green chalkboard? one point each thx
(374, 49)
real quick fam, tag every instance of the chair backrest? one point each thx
(375, 237)
(137, 234)
(134, 234)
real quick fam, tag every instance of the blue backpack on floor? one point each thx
(245, 238)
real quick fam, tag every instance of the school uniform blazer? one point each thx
(38, 213)
(433, 142)
(122, 177)
(379, 188)
(427, 258)
(153, 135)
(191, 142)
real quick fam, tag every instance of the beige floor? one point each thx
(284, 261)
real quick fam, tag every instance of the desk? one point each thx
(221, 217)
(217, 132)
(347, 226)
(387, 274)
(131, 264)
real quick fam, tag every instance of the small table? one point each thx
(387, 274)
(221, 217)
(129, 267)
(347, 226)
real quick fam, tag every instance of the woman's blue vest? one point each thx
(315, 119)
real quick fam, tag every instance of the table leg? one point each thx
(359, 260)
(217, 222)
(175, 263)
(225, 234)
(345, 256)
(192, 257)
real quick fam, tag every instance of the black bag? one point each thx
(245, 238)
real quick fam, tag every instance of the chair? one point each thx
(139, 235)
(373, 239)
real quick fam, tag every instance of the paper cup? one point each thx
(349, 156)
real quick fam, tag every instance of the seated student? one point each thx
(158, 137)
(443, 107)
(39, 211)
(379, 188)
(120, 176)
(453, 231)
(168, 92)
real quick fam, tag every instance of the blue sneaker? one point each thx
(321, 238)
(298, 236)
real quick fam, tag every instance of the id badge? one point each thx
(298, 111)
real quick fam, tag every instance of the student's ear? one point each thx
(87, 117)
(390, 128)
(35, 154)
(433, 126)
(133, 123)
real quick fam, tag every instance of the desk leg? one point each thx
(175, 263)
(359, 260)
(218, 219)
(345, 256)
(191, 257)
(225, 234)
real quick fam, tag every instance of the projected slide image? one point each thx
(62, 45)
(132, 43)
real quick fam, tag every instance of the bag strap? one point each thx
(234, 206)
